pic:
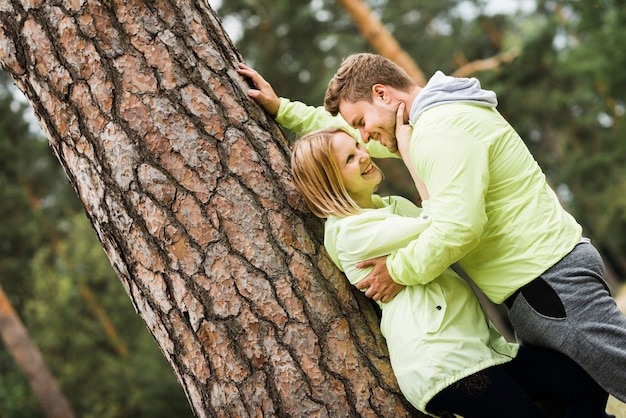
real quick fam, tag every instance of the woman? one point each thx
(445, 353)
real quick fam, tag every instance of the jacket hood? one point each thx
(444, 89)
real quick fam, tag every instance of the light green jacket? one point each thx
(436, 333)
(491, 207)
(302, 119)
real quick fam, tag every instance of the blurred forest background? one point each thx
(559, 75)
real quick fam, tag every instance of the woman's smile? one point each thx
(370, 169)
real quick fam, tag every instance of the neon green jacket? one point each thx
(437, 333)
(492, 209)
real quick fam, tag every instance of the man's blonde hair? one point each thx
(317, 175)
(357, 74)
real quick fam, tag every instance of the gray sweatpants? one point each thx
(576, 315)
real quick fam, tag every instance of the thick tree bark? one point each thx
(30, 361)
(187, 185)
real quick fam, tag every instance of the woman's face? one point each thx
(360, 175)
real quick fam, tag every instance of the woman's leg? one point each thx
(546, 374)
(490, 393)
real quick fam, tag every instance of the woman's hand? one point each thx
(403, 139)
(403, 133)
(264, 93)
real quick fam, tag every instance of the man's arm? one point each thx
(455, 166)
(372, 236)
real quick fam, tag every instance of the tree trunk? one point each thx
(187, 184)
(381, 40)
(30, 361)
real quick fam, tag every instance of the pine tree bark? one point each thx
(187, 185)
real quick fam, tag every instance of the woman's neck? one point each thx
(366, 202)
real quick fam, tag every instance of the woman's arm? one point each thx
(299, 117)
(373, 233)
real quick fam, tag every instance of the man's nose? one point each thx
(364, 135)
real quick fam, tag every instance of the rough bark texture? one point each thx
(187, 185)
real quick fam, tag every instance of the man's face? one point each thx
(375, 120)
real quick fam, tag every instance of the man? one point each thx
(492, 212)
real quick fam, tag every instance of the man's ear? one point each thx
(380, 92)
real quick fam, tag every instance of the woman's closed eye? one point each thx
(350, 157)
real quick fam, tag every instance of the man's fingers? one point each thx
(363, 264)
(371, 293)
(370, 262)
(365, 283)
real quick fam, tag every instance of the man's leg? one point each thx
(570, 309)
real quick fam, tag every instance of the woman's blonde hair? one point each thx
(317, 176)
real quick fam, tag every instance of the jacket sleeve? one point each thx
(364, 237)
(302, 119)
(455, 168)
